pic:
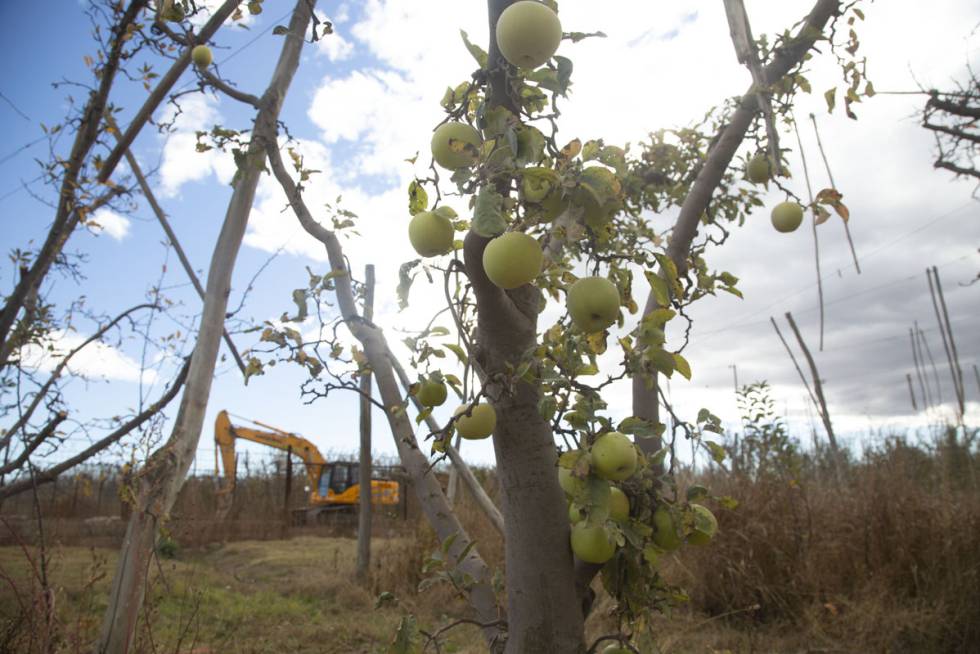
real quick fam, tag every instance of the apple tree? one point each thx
(539, 280)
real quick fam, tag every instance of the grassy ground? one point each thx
(296, 595)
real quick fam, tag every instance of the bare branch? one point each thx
(50, 474)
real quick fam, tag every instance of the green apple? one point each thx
(592, 543)
(593, 303)
(172, 11)
(431, 393)
(430, 233)
(569, 483)
(759, 169)
(575, 514)
(665, 534)
(512, 259)
(616, 649)
(479, 424)
(705, 525)
(456, 145)
(201, 56)
(614, 456)
(619, 505)
(787, 216)
(528, 33)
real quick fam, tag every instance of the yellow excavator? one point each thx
(334, 487)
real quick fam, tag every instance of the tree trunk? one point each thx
(166, 469)
(542, 604)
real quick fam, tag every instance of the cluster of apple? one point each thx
(786, 216)
(474, 421)
(588, 478)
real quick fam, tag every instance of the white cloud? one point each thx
(334, 46)
(111, 223)
(662, 65)
(210, 6)
(96, 360)
(182, 163)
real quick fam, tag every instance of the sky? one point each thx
(364, 102)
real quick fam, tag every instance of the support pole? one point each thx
(364, 465)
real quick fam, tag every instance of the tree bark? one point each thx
(544, 612)
(364, 466)
(166, 469)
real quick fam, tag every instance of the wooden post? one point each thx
(947, 333)
(364, 466)
(924, 347)
(918, 370)
(908, 378)
(817, 393)
(289, 488)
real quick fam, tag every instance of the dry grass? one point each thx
(887, 561)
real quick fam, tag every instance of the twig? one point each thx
(816, 241)
(847, 229)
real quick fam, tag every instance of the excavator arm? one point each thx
(225, 434)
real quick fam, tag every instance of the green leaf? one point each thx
(418, 199)
(477, 52)
(564, 73)
(682, 366)
(696, 492)
(661, 360)
(530, 146)
(614, 157)
(670, 272)
(658, 286)
(727, 502)
(458, 351)
(637, 427)
(717, 451)
(488, 215)
(831, 98)
(657, 460)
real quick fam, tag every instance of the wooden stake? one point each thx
(821, 400)
(364, 465)
(918, 371)
(955, 367)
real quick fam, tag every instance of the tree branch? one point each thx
(135, 422)
(60, 368)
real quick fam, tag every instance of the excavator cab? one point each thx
(337, 478)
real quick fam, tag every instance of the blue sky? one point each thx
(365, 100)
